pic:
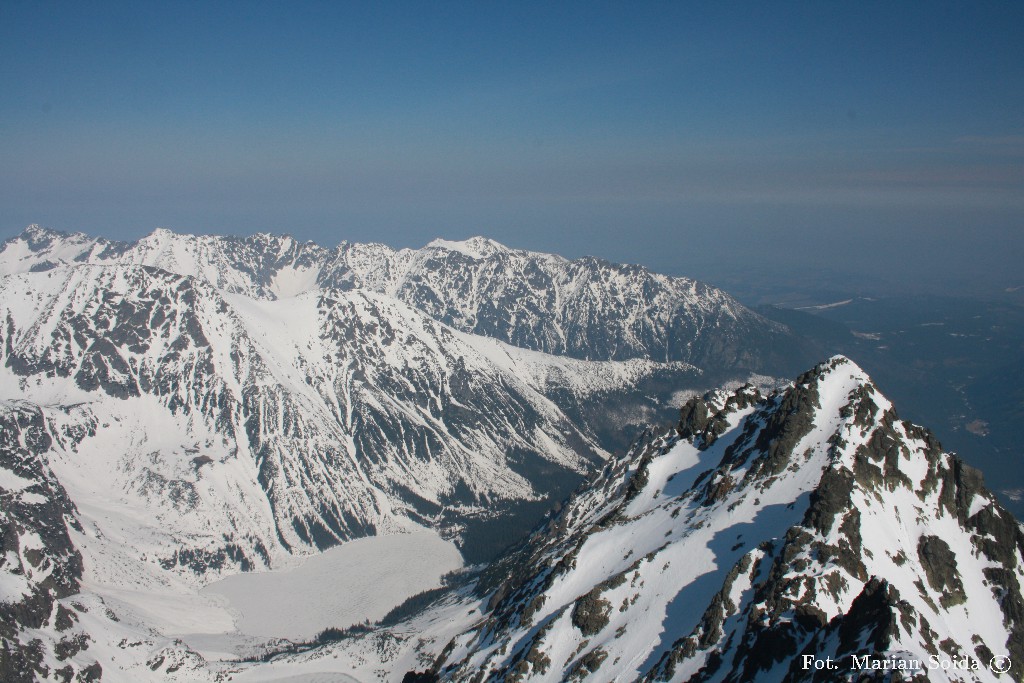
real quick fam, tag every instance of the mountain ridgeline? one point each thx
(810, 535)
(585, 308)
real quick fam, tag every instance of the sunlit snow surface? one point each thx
(360, 580)
(320, 677)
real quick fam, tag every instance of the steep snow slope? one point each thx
(813, 522)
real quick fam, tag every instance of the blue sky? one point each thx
(886, 138)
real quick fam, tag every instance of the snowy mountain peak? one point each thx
(474, 247)
(36, 231)
(164, 235)
(813, 522)
(36, 238)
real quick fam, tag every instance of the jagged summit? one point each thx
(163, 234)
(35, 231)
(812, 522)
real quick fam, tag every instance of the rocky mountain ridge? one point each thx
(807, 536)
(346, 412)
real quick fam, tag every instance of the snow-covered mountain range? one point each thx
(212, 405)
(285, 396)
(181, 409)
(585, 308)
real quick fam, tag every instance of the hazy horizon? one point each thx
(870, 141)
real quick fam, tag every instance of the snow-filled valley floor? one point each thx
(360, 580)
(236, 616)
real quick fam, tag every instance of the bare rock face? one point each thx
(39, 564)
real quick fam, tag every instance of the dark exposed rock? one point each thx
(70, 646)
(51, 571)
(588, 664)
(418, 677)
(702, 421)
(939, 563)
(64, 618)
(872, 619)
(786, 424)
(590, 612)
(90, 673)
(829, 499)
(695, 418)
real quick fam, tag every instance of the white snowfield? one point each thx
(343, 586)
(356, 582)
